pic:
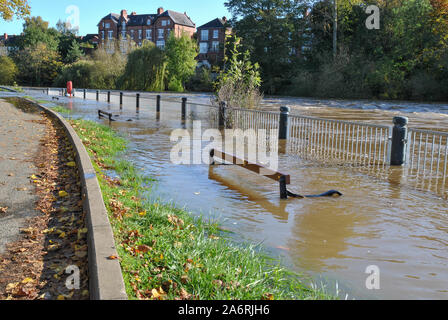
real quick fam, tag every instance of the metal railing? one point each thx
(423, 154)
(340, 141)
(427, 158)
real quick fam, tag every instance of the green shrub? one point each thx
(8, 70)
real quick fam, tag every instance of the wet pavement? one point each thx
(20, 134)
(380, 221)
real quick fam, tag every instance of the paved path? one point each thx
(19, 145)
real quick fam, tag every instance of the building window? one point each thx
(215, 46)
(161, 44)
(111, 35)
(132, 34)
(148, 22)
(148, 34)
(140, 34)
(163, 23)
(215, 34)
(102, 35)
(161, 33)
(203, 47)
(107, 25)
(204, 35)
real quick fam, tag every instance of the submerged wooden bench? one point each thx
(104, 114)
(283, 179)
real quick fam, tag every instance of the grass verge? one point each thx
(165, 252)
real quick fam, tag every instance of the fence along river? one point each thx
(381, 220)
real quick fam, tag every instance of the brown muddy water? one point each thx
(378, 221)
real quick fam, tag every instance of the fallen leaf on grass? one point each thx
(3, 209)
(63, 194)
(113, 257)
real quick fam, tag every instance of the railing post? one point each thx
(108, 96)
(121, 100)
(222, 114)
(283, 190)
(158, 103)
(137, 102)
(184, 109)
(399, 141)
(85, 94)
(283, 131)
(97, 95)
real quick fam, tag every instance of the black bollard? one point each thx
(138, 102)
(159, 98)
(97, 95)
(283, 131)
(85, 94)
(108, 96)
(222, 114)
(184, 109)
(399, 141)
(121, 100)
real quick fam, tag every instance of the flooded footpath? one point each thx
(378, 222)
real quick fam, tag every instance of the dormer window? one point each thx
(148, 22)
(107, 25)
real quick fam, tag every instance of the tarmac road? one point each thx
(19, 145)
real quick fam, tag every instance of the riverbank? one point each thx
(164, 252)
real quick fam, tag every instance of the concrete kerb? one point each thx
(105, 276)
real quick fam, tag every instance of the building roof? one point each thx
(10, 42)
(178, 18)
(89, 37)
(216, 23)
(140, 19)
(111, 16)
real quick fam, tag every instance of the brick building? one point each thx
(212, 39)
(139, 27)
(8, 44)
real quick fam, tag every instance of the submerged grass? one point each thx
(165, 252)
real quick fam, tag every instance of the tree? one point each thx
(238, 85)
(11, 8)
(38, 65)
(35, 30)
(181, 56)
(271, 30)
(145, 69)
(8, 70)
(74, 53)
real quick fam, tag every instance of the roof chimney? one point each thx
(6, 36)
(160, 11)
(224, 19)
(124, 14)
(133, 13)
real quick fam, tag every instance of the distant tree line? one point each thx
(293, 42)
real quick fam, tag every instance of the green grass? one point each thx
(61, 109)
(165, 252)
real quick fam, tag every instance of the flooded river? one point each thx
(380, 222)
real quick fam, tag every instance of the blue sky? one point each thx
(91, 11)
